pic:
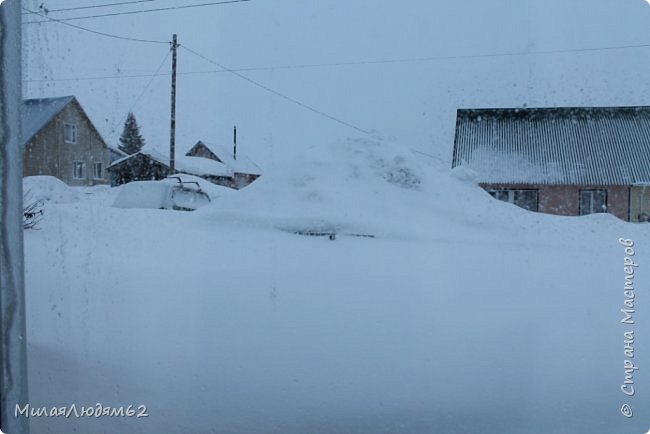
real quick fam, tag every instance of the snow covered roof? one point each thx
(242, 164)
(563, 145)
(38, 112)
(200, 166)
(190, 165)
(118, 151)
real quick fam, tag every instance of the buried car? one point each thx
(171, 193)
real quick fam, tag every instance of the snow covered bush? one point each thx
(32, 211)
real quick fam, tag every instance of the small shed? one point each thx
(141, 166)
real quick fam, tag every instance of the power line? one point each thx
(448, 57)
(356, 63)
(431, 156)
(142, 11)
(275, 92)
(105, 77)
(97, 6)
(153, 77)
(95, 31)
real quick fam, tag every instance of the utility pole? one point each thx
(172, 130)
(234, 139)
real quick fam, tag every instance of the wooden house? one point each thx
(244, 171)
(60, 140)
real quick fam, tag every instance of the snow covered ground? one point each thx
(460, 315)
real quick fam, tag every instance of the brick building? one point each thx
(566, 161)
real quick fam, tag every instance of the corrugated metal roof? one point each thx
(563, 145)
(38, 112)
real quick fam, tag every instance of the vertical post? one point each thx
(13, 351)
(234, 140)
(642, 206)
(172, 132)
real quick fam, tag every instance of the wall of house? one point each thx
(201, 151)
(565, 199)
(225, 181)
(137, 168)
(48, 153)
(241, 180)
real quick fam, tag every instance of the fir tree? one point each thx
(131, 141)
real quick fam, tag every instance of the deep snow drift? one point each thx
(435, 310)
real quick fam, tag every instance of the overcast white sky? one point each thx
(411, 102)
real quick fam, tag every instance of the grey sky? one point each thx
(410, 102)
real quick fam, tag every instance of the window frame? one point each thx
(101, 165)
(511, 192)
(82, 165)
(591, 192)
(74, 132)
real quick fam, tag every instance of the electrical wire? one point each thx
(98, 6)
(363, 62)
(95, 31)
(153, 77)
(142, 11)
(275, 92)
(442, 160)
(104, 77)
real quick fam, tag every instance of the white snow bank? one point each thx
(462, 314)
(49, 189)
(464, 173)
(359, 186)
(213, 190)
(144, 194)
(165, 194)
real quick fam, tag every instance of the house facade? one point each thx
(244, 171)
(61, 141)
(566, 161)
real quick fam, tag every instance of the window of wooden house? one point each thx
(98, 170)
(593, 201)
(78, 170)
(525, 198)
(70, 133)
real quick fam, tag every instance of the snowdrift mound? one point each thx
(49, 189)
(363, 186)
(176, 192)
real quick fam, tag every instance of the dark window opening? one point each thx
(527, 199)
(593, 201)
